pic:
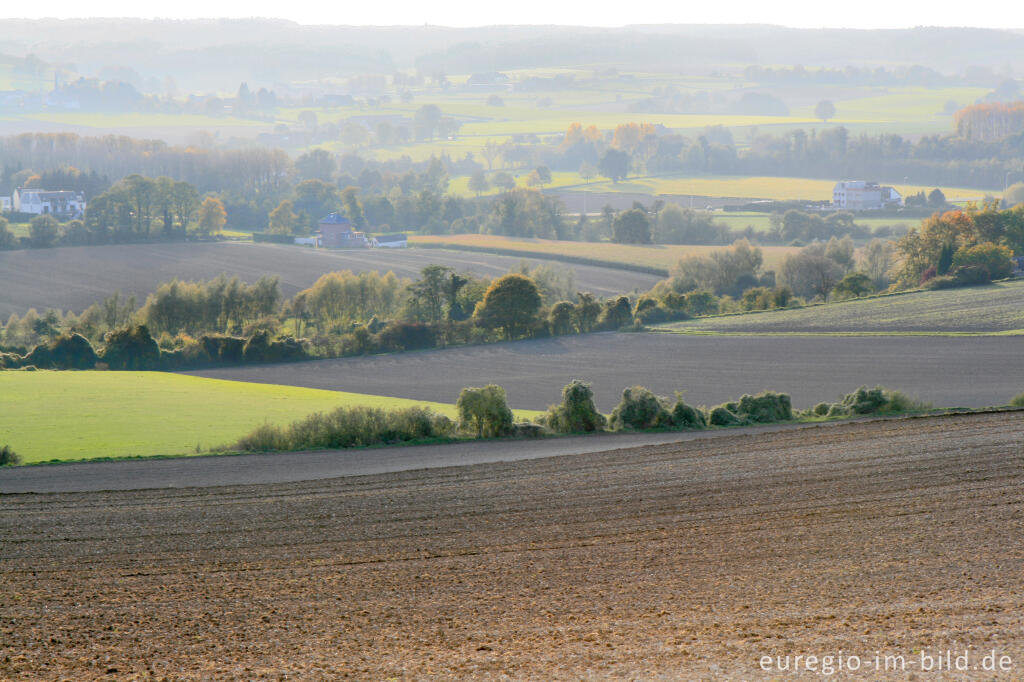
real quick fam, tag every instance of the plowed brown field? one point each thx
(681, 561)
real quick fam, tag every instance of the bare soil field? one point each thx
(678, 561)
(73, 278)
(289, 467)
(948, 371)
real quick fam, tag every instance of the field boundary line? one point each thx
(543, 255)
(715, 332)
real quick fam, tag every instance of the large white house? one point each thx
(858, 195)
(63, 203)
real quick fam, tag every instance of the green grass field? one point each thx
(48, 415)
(739, 220)
(994, 309)
(664, 256)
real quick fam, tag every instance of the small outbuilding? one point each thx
(390, 241)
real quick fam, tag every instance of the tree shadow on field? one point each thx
(549, 346)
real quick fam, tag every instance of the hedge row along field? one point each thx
(484, 413)
(73, 278)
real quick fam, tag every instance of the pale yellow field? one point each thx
(760, 188)
(658, 256)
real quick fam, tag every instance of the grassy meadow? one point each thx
(992, 309)
(761, 222)
(664, 256)
(47, 415)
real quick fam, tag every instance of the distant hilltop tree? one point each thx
(825, 110)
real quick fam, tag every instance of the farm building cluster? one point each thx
(858, 195)
(335, 231)
(63, 204)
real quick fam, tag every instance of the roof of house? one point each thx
(49, 193)
(391, 237)
(334, 219)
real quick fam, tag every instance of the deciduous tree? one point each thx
(511, 304)
(212, 216)
(825, 110)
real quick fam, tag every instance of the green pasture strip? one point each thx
(47, 415)
(992, 310)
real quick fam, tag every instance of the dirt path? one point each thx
(679, 561)
(203, 472)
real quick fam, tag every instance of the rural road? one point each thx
(201, 472)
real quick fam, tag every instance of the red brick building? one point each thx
(336, 233)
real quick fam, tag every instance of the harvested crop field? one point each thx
(663, 256)
(948, 371)
(679, 561)
(994, 308)
(73, 278)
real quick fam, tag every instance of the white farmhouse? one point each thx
(858, 195)
(62, 203)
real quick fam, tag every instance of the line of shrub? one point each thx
(484, 413)
(133, 348)
(350, 427)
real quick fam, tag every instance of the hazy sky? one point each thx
(860, 14)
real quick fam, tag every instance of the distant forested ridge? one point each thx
(207, 54)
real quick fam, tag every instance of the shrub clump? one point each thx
(348, 427)
(879, 400)
(640, 409)
(821, 409)
(723, 416)
(10, 360)
(67, 351)
(766, 407)
(131, 348)
(484, 411)
(528, 430)
(9, 457)
(1017, 400)
(577, 412)
(687, 416)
